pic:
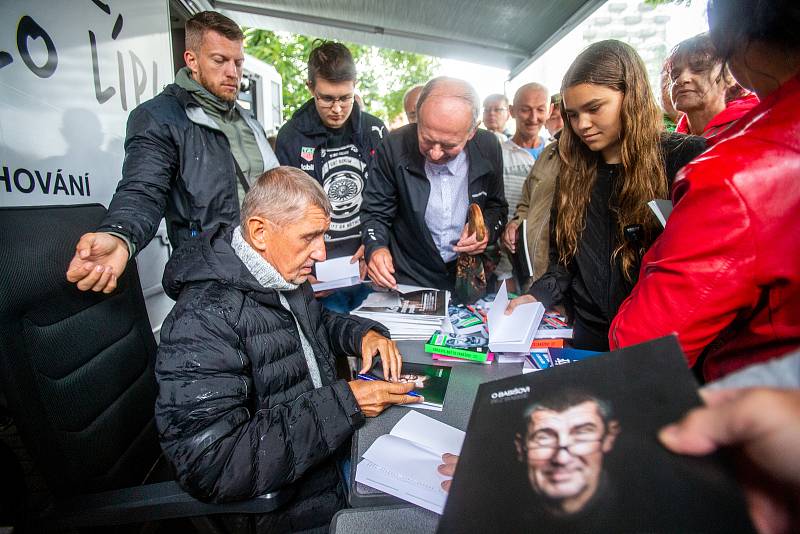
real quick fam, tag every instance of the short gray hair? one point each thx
(282, 195)
(495, 96)
(567, 398)
(458, 89)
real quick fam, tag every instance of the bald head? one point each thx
(529, 89)
(447, 112)
(410, 103)
(530, 110)
(445, 91)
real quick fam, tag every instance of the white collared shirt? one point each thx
(448, 203)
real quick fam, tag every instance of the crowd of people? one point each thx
(250, 396)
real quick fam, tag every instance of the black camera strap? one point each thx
(240, 176)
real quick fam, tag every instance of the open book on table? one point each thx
(403, 462)
(515, 332)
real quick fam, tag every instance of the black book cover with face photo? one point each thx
(430, 381)
(574, 449)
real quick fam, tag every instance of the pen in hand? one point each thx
(374, 378)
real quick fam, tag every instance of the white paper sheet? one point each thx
(406, 288)
(381, 299)
(336, 284)
(380, 478)
(336, 269)
(430, 433)
(403, 463)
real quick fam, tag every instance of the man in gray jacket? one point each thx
(190, 155)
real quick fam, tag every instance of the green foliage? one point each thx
(384, 75)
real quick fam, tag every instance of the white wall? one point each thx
(64, 103)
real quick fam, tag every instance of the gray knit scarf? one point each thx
(270, 278)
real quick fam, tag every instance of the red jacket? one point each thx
(723, 120)
(731, 239)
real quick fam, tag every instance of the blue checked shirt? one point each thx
(446, 213)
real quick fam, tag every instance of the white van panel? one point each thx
(70, 72)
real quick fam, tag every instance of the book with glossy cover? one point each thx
(554, 326)
(575, 449)
(472, 347)
(430, 382)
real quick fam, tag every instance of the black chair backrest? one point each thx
(76, 367)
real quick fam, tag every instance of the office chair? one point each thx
(76, 371)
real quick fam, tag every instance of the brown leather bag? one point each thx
(470, 274)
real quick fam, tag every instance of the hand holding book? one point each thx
(522, 299)
(762, 424)
(510, 236)
(373, 397)
(429, 383)
(448, 469)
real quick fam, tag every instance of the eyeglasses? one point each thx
(327, 101)
(544, 445)
(494, 110)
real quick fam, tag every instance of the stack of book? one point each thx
(465, 338)
(409, 312)
(554, 326)
(454, 347)
(553, 333)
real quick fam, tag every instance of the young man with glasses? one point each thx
(334, 141)
(563, 448)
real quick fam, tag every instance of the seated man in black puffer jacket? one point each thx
(249, 401)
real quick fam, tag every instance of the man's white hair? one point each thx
(282, 195)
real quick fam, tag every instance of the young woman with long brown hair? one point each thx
(615, 159)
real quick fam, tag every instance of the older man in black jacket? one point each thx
(249, 401)
(415, 206)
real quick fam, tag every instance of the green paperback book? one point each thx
(467, 347)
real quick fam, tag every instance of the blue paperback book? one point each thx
(540, 360)
(569, 355)
(553, 357)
